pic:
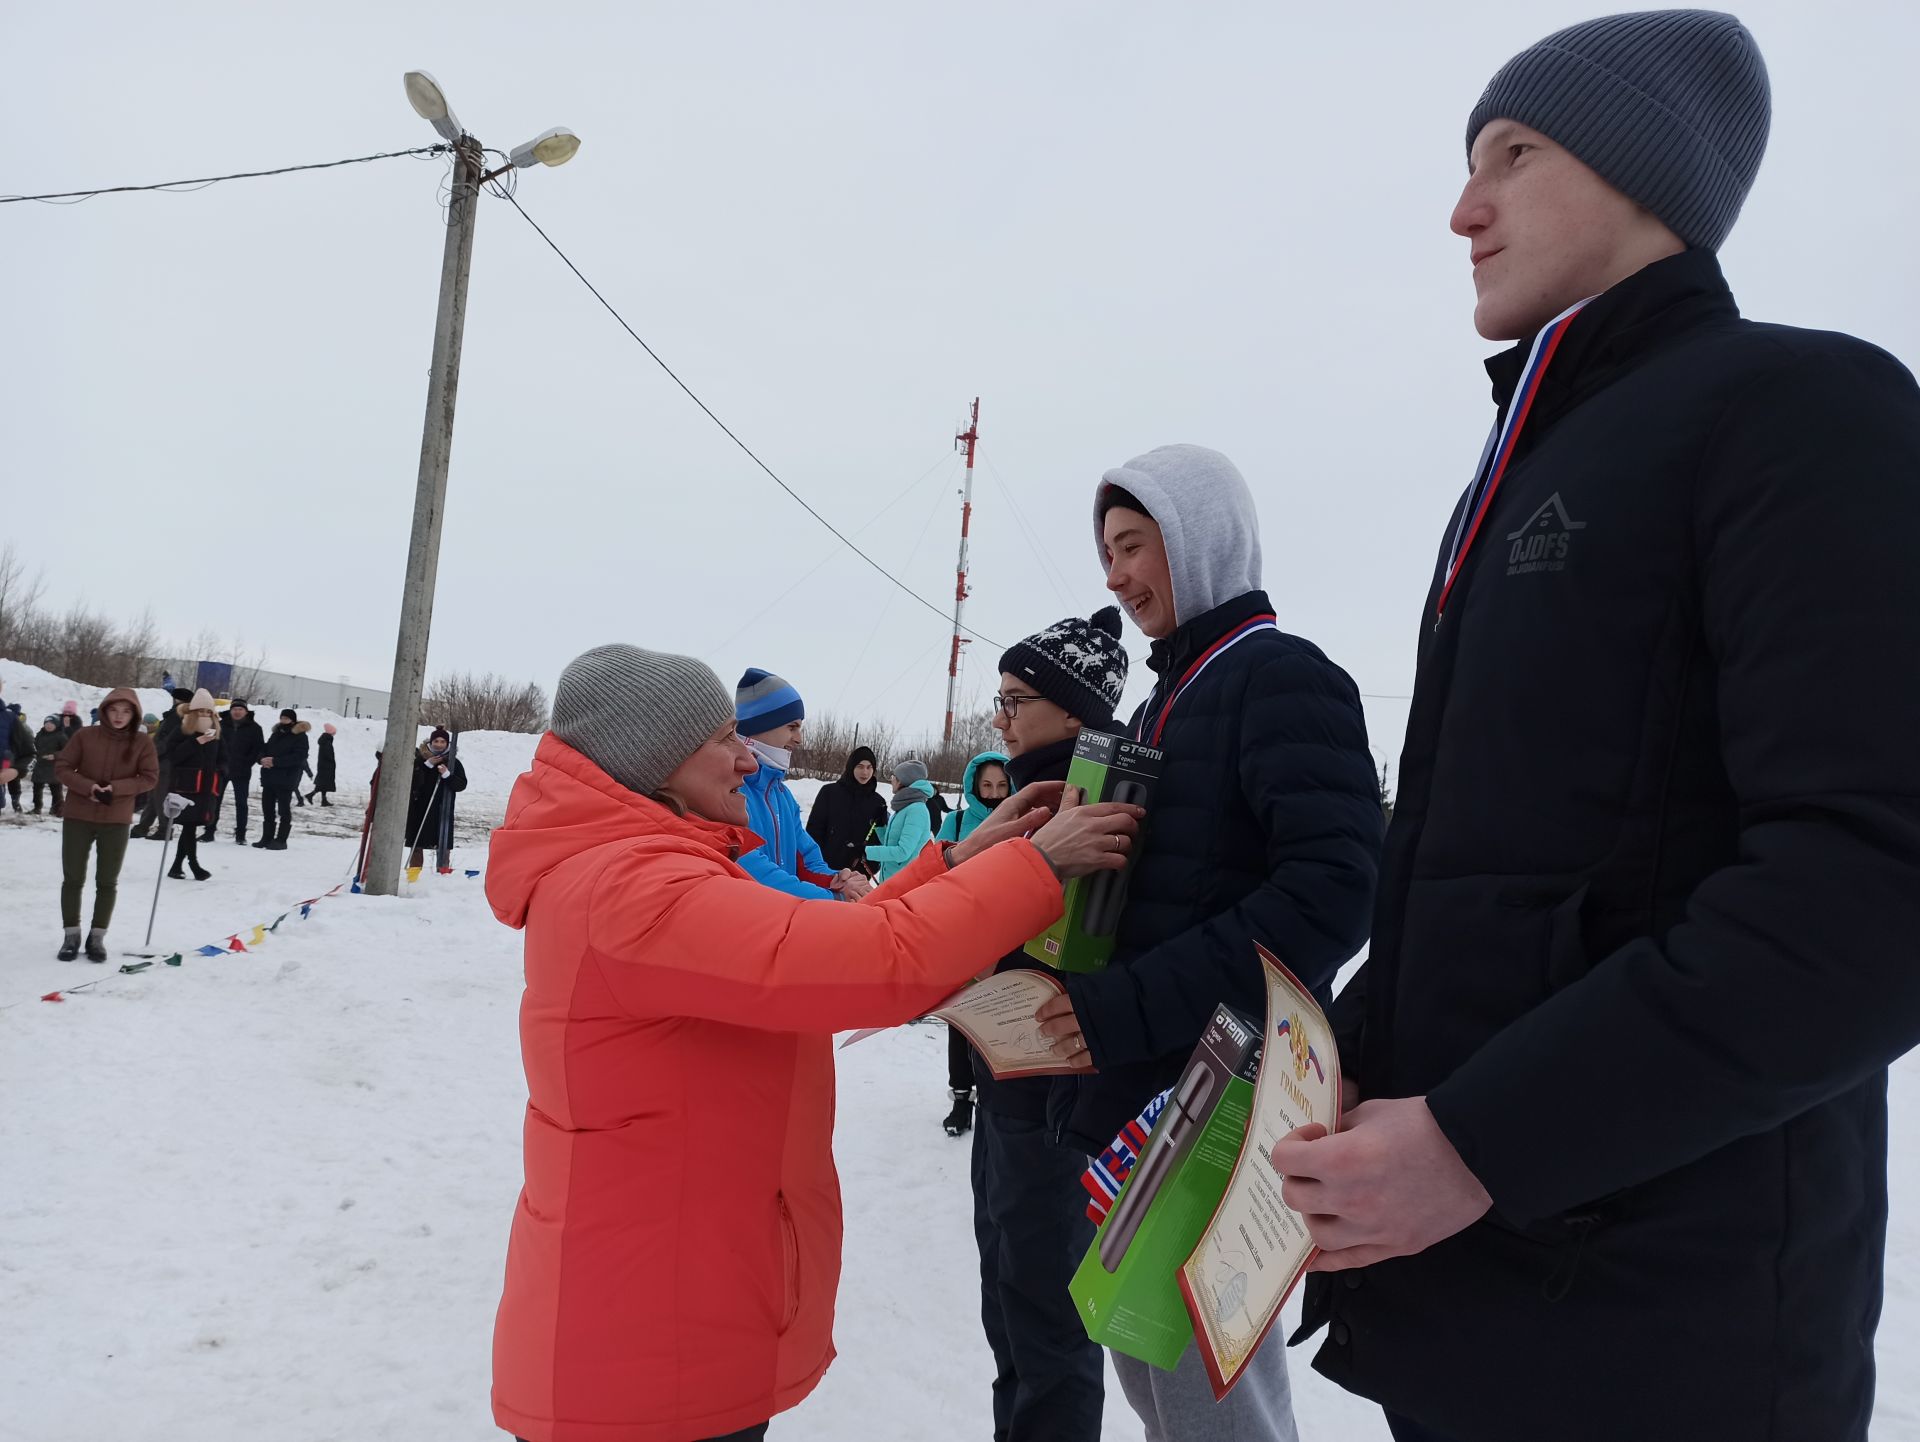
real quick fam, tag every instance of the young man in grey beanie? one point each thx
(1659, 800)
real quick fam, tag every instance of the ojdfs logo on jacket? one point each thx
(1543, 542)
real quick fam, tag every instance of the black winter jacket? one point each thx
(843, 818)
(1648, 905)
(325, 777)
(1023, 1098)
(194, 771)
(244, 741)
(288, 748)
(432, 795)
(1264, 827)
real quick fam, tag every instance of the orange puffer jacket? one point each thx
(675, 1252)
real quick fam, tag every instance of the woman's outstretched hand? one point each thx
(1084, 839)
(1030, 807)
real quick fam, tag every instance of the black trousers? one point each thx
(238, 787)
(1030, 1221)
(959, 1061)
(276, 808)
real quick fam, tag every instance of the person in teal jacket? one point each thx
(984, 787)
(911, 826)
(770, 714)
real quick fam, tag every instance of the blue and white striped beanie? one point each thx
(762, 702)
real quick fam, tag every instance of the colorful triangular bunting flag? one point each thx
(234, 943)
(210, 950)
(173, 960)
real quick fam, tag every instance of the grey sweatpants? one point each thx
(1178, 1406)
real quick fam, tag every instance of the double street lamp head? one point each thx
(429, 101)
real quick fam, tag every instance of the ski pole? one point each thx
(171, 809)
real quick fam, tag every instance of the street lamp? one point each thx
(429, 102)
(550, 147)
(553, 147)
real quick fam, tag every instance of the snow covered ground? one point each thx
(267, 1195)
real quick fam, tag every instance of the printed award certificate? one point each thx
(996, 1015)
(1256, 1248)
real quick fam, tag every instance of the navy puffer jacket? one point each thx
(1264, 827)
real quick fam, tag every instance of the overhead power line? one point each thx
(188, 187)
(747, 450)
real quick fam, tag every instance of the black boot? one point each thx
(200, 873)
(139, 833)
(176, 874)
(265, 843)
(96, 945)
(70, 944)
(960, 1120)
(207, 833)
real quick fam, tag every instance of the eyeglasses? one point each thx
(1009, 706)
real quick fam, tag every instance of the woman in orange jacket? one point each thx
(676, 1249)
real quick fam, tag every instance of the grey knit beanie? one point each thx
(910, 771)
(637, 714)
(1669, 107)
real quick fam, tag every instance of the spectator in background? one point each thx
(771, 717)
(16, 752)
(46, 745)
(848, 815)
(984, 787)
(323, 773)
(194, 764)
(244, 743)
(103, 769)
(911, 826)
(284, 758)
(163, 747)
(437, 776)
(70, 721)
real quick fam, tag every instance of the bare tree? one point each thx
(19, 598)
(465, 702)
(829, 739)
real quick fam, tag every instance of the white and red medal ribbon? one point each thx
(1266, 622)
(1499, 449)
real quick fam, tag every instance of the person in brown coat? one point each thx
(104, 767)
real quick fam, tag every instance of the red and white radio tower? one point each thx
(971, 436)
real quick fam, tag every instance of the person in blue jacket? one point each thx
(771, 716)
(911, 826)
(984, 787)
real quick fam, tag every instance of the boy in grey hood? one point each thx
(1265, 828)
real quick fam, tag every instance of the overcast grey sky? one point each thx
(1119, 224)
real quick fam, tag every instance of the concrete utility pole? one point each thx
(381, 875)
(429, 507)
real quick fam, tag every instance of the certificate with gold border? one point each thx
(1256, 1248)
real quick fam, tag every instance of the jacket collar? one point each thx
(1044, 763)
(1647, 309)
(1173, 654)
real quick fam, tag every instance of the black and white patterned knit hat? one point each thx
(1078, 665)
